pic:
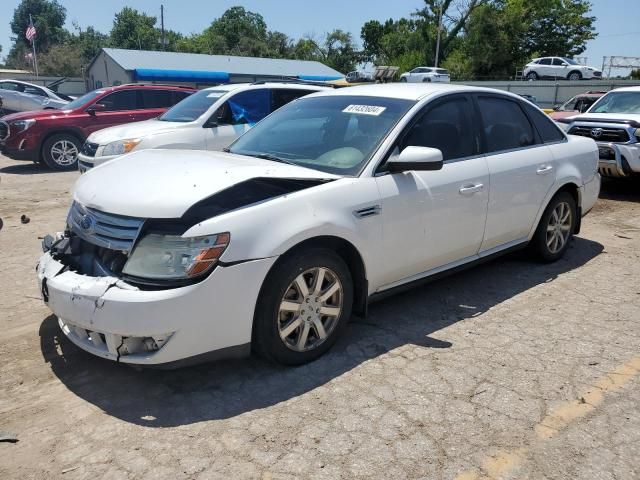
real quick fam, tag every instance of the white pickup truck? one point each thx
(614, 123)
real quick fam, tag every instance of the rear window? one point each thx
(156, 98)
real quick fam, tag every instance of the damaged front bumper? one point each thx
(117, 321)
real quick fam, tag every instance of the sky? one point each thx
(619, 34)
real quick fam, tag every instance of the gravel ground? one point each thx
(509, 370)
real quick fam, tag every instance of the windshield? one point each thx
(618, 102)
(192, 107)
(570, 61)
(569, 105)
(335, 134)
(84, 99)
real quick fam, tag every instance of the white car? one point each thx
(20, 96)
(613, 121)
(208, 120)
(559, 67)
(426, 75)
(335, 199)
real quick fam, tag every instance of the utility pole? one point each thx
(439, 31)
(164, 44)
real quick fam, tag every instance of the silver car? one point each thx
(20, 96)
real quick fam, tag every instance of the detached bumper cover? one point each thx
(112, 319)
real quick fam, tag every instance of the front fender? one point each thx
(274, 226)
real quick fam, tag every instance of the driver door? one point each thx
(432, 219)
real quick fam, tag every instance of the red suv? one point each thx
(56, 136)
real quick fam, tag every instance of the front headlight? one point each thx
(171, 257)
(120, 147)
(23, 125)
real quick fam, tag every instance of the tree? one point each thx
(48, 17)
(307, 49)
(65, 60)
(635, 74)
(340, 53)
(134, 30)
(237, 32)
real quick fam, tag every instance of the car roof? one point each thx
(410, 91)
(292, 85)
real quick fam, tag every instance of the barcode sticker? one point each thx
(365, 109)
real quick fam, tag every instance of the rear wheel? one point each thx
(556, 227)
(304, 305)
(60, 152)
(532, 76)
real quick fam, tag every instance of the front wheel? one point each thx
(60, 152)
(556, 227)
(304, 305)
(575, 76)
(403, 80)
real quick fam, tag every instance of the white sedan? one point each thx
(333, 200)
(20, 96)
(426, 75)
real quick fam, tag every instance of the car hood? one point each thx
(606, 117)
(166, 183)
(135, 130)
(36, 114)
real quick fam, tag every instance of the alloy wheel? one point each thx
(559, 227)
(64, 152)
(310, 309)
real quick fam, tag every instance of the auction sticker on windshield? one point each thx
(365, 109)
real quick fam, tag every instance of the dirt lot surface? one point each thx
(509, 370)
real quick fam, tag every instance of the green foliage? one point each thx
(635, 74)
(64, 60)
(134, 30)
(480, 39)
(339, 51)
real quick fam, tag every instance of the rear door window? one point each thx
(156, 98)
(545, 61)
(280, 96)
(547, 129)
(120, 101)
(505, 124)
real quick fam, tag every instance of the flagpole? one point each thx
(33, 44)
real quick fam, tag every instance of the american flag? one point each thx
(31, 32)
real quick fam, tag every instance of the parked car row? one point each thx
(335, 199)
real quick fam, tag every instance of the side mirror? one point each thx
(96, 107)
(416, 158)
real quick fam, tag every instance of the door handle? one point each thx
(544, 170)
(471, 189)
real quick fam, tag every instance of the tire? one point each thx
(543, 244)
(403, 80)
(278, 329)
(60, 152)
(574, 76)
(532, 76)
(426, 80)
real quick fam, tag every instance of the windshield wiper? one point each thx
(273, 158)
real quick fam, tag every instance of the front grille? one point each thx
(597, 74)
(4, 131)
(115, 232)
(619, 135)
(89, 149)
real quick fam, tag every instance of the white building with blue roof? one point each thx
(114, 66)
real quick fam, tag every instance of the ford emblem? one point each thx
(87, 223)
